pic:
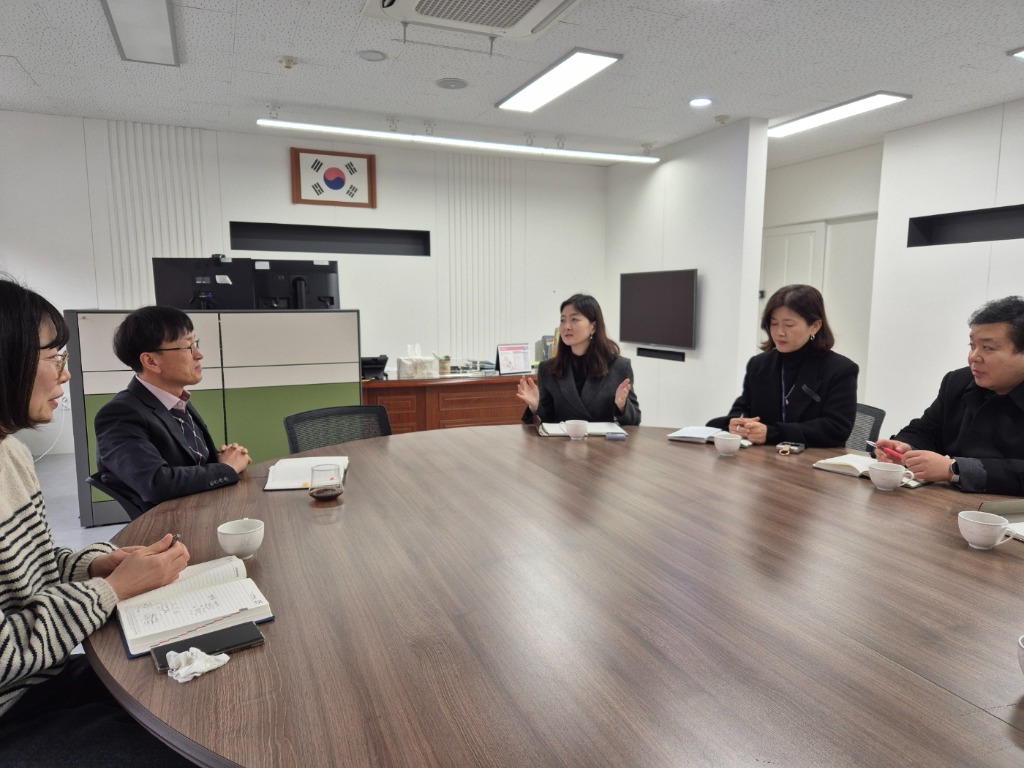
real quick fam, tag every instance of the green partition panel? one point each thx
(259, 412)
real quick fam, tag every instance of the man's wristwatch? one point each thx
(955, 471)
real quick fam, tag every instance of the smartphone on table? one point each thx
(223, 640)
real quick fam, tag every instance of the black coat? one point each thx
(559, 400)
(983, 431)
(822, 402)
(141, 451)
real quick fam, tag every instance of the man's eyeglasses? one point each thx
(60, 360)
(193, 348)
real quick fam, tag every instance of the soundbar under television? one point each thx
(241, 283)
(659, 308)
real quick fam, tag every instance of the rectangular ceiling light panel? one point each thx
(838, 112)
(578, 66)
(143, 30)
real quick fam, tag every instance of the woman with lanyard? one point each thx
(798, 390)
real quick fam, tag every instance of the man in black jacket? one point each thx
(972, 436)
(151, 443)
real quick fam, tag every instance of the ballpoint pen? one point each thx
(890, 451)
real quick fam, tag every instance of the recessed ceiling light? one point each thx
(1018, 53)
(486, 146)
(700, 101)
(372, 55)
(560, 77)
(838, 112)
(451, 83)
(143, 30)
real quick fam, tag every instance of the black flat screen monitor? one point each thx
(659, 308)
(203, 283)
(286, 284)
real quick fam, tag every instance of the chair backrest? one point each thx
(126, 504)
(866, 426)
(327, 426)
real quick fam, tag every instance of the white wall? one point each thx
(702, 208)
(71, 228)
(835, 196)
(835, 187)
(45, 232)
(923, 296)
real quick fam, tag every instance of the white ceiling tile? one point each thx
(754, 58)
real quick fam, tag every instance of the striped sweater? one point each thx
(48, 603)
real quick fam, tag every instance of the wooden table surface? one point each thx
(488, 597)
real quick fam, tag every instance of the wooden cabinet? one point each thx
(415, 405)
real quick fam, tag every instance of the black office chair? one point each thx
(126, 504)
(327, 426)
(866, 426)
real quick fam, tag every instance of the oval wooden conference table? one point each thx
(488, 597)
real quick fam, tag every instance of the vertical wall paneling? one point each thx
(480, 211)
(155, 199)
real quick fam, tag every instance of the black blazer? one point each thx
(141, 451)
(559, 400)
(822, 399)
(983, 431)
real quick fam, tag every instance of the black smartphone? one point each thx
(219, 641)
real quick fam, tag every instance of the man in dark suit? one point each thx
(972, 436)
(151, 443)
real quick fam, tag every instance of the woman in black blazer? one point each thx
(587, 378)
(798, 390)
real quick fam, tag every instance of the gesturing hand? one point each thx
(621, 393)
(528, 392)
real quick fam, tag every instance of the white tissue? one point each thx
(192, 663)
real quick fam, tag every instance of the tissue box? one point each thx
(417, 368)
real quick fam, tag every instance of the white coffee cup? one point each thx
(241, 537)
(888, 477)
(727, 443)
(983, 530)
(1020, 652)
(576, 429)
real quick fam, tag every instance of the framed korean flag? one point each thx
(333, 178)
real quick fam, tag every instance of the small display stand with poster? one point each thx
(513, 359)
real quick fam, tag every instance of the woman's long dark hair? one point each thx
(806, 301)
(22, 313)
(602, 350)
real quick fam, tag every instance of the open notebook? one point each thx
(599, 428)
(856, 464)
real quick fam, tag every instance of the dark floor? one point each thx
(57, 478)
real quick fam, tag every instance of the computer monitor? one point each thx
(287, 284)
(212, 283)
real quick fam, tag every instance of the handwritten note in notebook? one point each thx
(205, 596)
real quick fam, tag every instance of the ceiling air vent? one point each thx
(495, 18)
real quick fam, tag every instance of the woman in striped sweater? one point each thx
(53, 708)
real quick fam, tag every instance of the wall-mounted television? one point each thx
(659, 308)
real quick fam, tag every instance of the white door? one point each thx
(792, 254)
(837, 258)
(849, 269)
